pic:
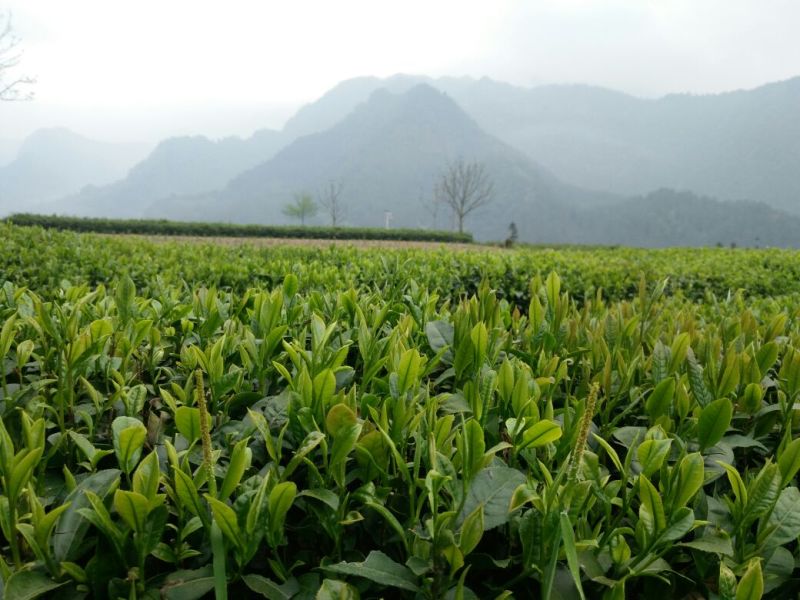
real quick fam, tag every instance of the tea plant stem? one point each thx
(205, 434)
(14, 541)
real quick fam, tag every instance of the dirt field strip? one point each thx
(305, 242)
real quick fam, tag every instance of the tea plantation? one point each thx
(185, 420)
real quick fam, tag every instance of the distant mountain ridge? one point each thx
(51, 163)
(736, 145)
(177, 166)
(389, 152)
(570, 163)
(8, 151)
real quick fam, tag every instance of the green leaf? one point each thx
(333, 589)
(408, 370)
(280, 501)
(568, 537)
(474, 448)
(340, 417)
(239, 463)
(751, 585)
(730, 378)
(651, 509)
(271, 590)
(325, 496)
(762, 493)
(737, 485)
(27, 585)
(552, 289)
(660, 363)
(21, 471)
(679, 350)
(311, 441)
(785, 518)
(493, 489)
(188, 585)
(225, 518)
(92, 454)
(125, 294)
(378, 568)
(187, 422)
(711, 544)
(680, 524)
(129, 436)
(651, 455)
(440, 334)
(133, 508)
(726, 582)
(324, 386)
(690, 479)
(778, 569)
(542, 433)
(471, 531)
(71, 526)
(789, 462)
(766, 357)
(660, 400)
(697, 381)
(147, 477)
(714, 422)
(290, 285)
(188, 495)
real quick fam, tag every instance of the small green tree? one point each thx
(303, 207)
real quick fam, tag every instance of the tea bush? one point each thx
(189, 420)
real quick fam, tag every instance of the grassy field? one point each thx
(190, 419)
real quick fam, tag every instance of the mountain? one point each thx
(669, 218)
(177, 166)
(735, 145)
(8, 150)
(390, 150)
(51, 163)
(388, 153)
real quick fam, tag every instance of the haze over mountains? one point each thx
(177, 166)
(54, 162)
(569, 163)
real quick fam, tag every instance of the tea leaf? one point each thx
(751, 585)
(714, 422)
(129, 437)
(378, 568)
(493, 489)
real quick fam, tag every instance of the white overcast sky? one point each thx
(145, 69)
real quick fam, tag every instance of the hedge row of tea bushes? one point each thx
(202, 229)
(43, 258)
(350, 428)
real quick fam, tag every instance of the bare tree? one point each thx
(463, 187)
(11, 86)
(331, 200)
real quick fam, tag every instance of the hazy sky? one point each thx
(145, 69)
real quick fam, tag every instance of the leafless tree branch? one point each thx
(331, 200)
(464, 187)
(11, 88)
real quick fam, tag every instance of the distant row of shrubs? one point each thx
(164, 227)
